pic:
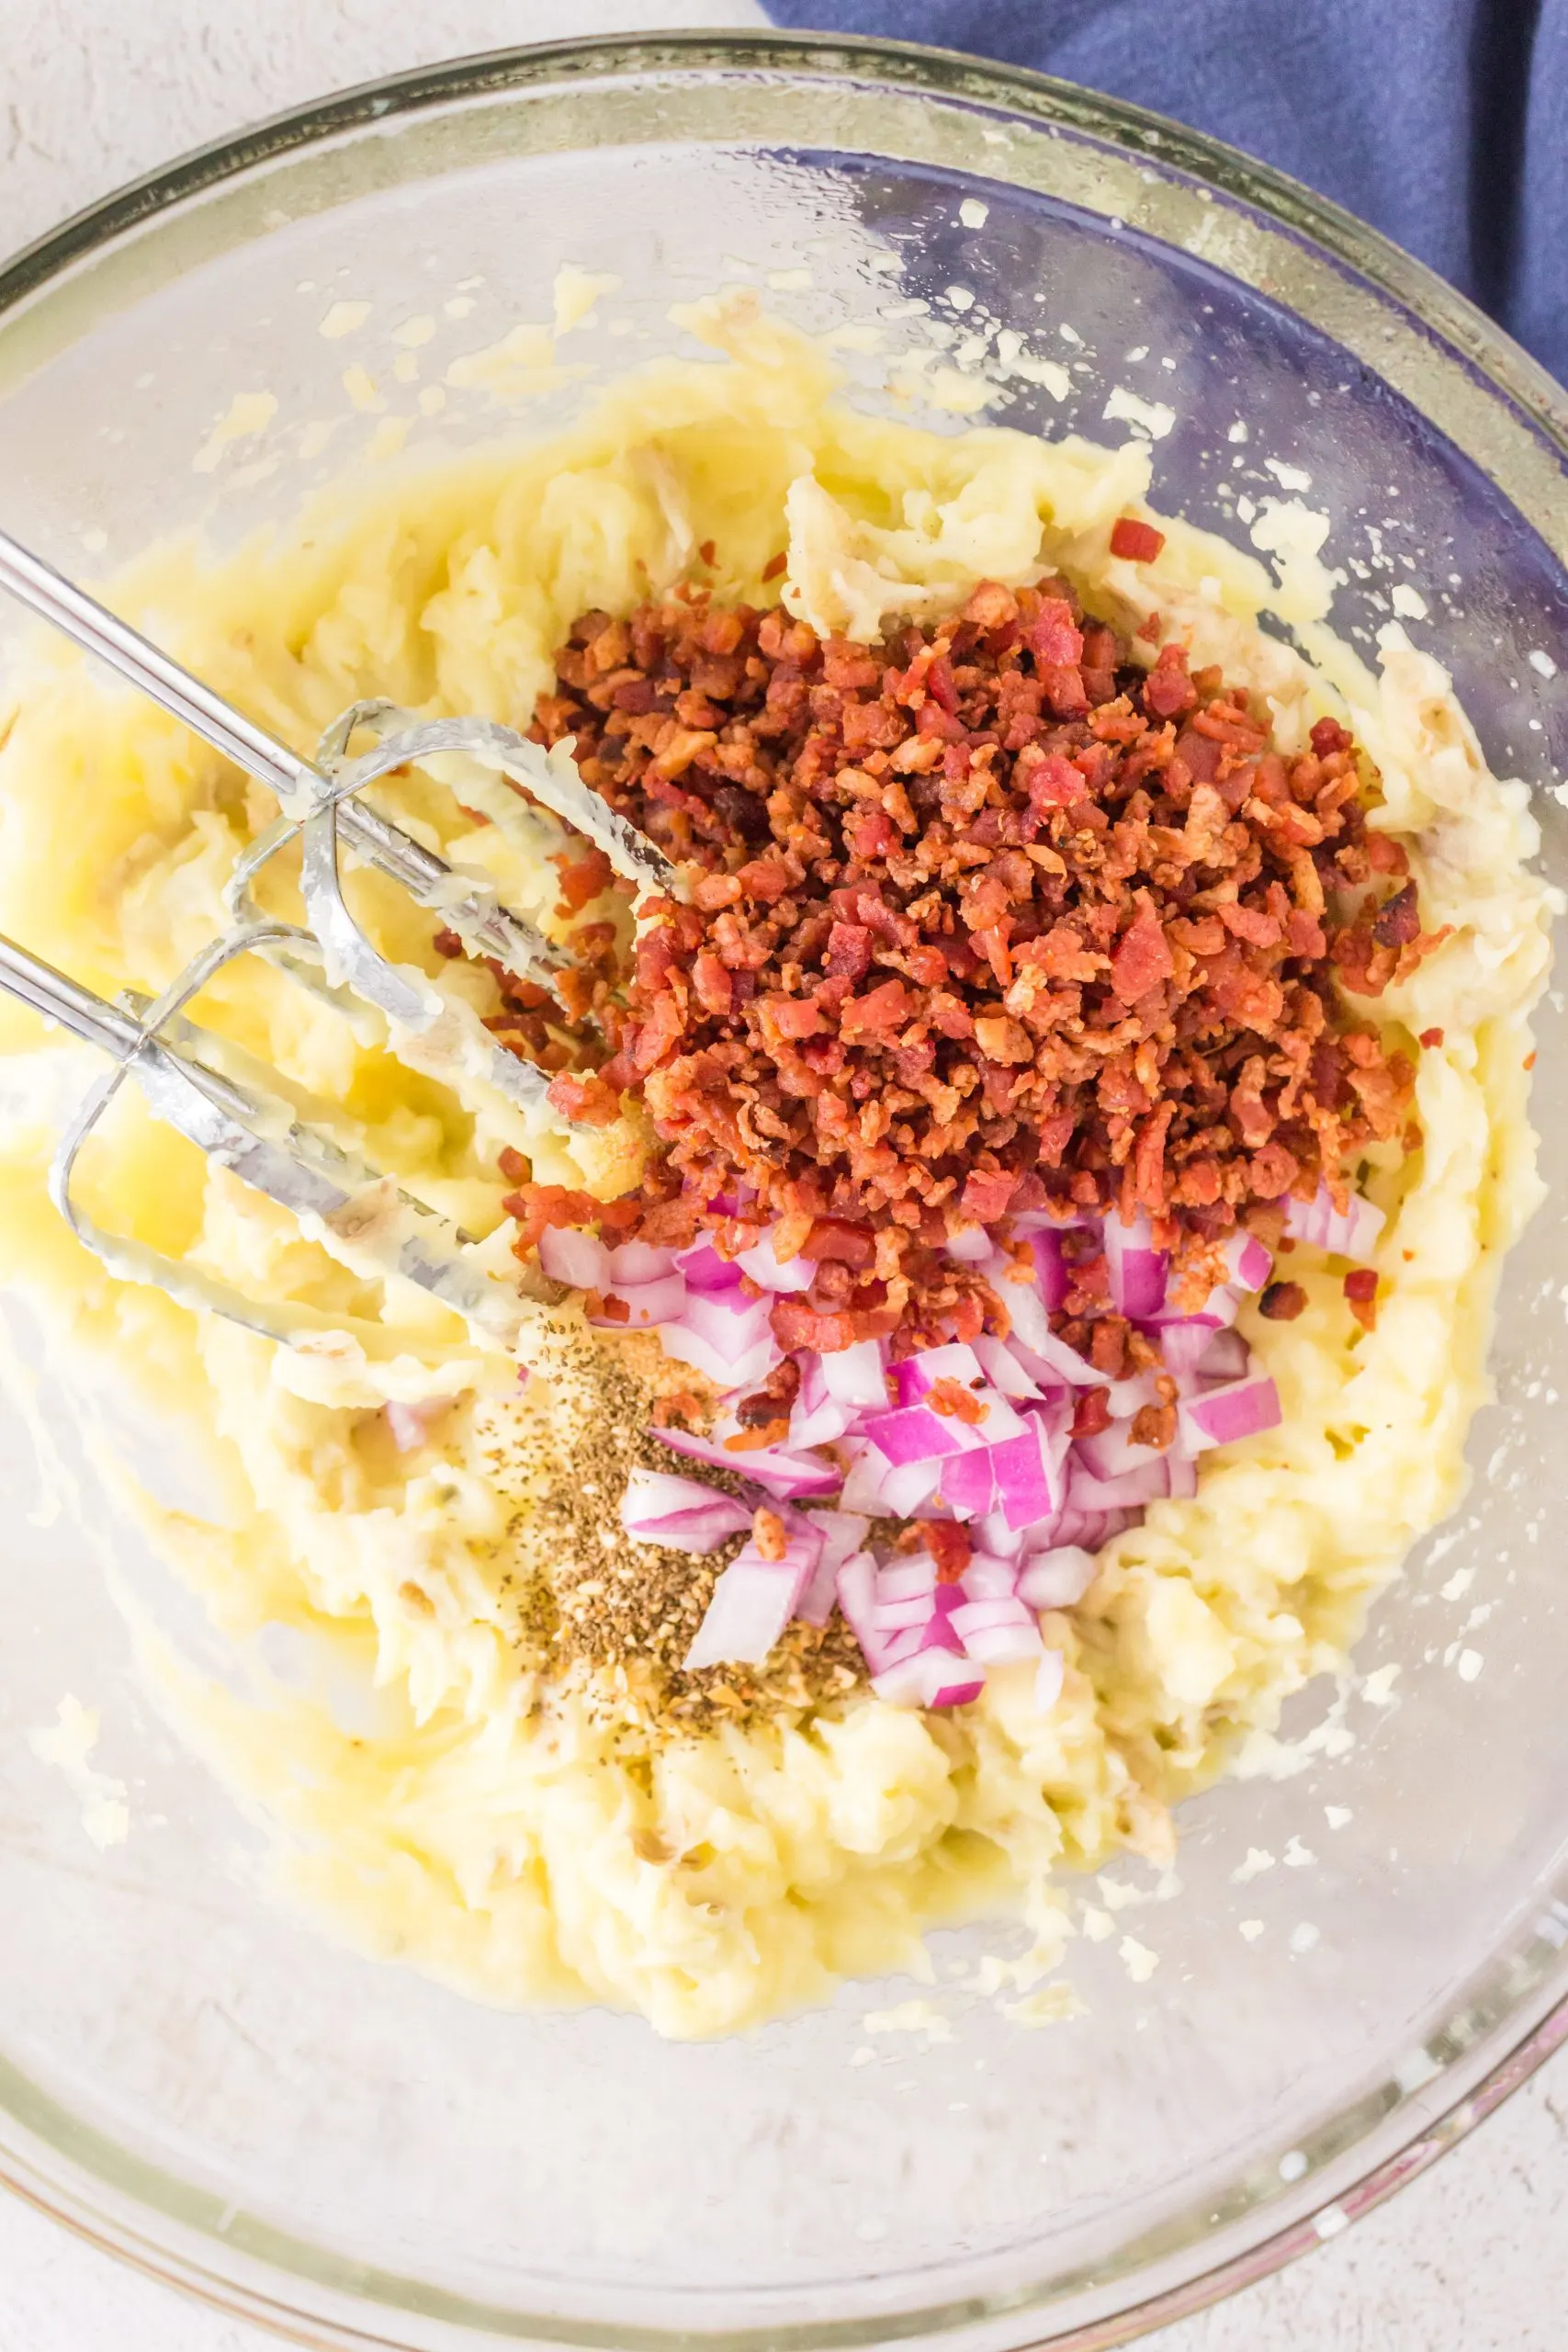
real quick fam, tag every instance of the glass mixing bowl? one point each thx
(195, 2078)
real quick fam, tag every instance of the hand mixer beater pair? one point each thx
(246, 1116)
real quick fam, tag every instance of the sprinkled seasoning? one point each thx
(611, 1617)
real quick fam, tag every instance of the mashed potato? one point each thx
(509, 1837)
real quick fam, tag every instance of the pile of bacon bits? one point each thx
(986, 918)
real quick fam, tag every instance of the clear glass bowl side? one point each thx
(197, 2076)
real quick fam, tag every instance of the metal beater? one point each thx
(247, 1116)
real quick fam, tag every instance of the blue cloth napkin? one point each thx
(1442, 122)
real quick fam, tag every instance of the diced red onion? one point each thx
(1136, 1269)
(911, 1577)
(728, 1367)
(1004, 1371)
(1183, 1473)
(875, 1486)
(993, 1536)
(705, 1271)
(639, 1261)
(914, 1433)
(1041, 1503)
(994, 1632)
(717, 1314)
(999, 1421)
(661, 1507)
(893, 1616)
(1226, 1357)
(647, 1304)
(1057, 1579)
(906, 1488)
(1220, 1415)
(753, 1602)
(816, 1603)
(725, 1335)
(883, 1651)
(1130, 1395)
(1002, 1645)
(790, 1476)
(1108, 1453)
(987, 1577)
(928, 1680)
(1050, 1361)
(1184, 1344)
(839, 1534)
(1054, 1415)
(576, 1259)
(763, 1266)
(820, 1424)
(970, 1245)
(1049, 1266)
(863, 1479)
(856, 1375)
(1091, 1529)
(1048, 1682)
(1219, 1310)
(968, 1483)
(857, 1591)
(1353, 1234)
(1028, 1479)
(917, 1375)
(1149, 1483)
(1249, 1262)
(842, 1533)
(1073, 1526)
(1026, 1313)
(998, 1609)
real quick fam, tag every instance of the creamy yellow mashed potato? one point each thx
(509, 1837)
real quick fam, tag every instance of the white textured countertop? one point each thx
(1474, 2257)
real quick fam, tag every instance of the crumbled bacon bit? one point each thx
(1091, 1412)
(1430, 1037)
(797, 1323)
(1133, 541)
(537, 1206)
(584, 1098)
(679, 1409)
(583, 875)
(762, 1407)
(1361, 1290)
(768, 1534)
(830, 1242)
(950, 1546)
(985, 917)
(1283, 1302)
(514, 1167)
(1153, 1425)
(752, 1440)
(955, 1402)
(1399, 919)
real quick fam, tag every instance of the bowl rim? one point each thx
(1538, 403)
(1511, 371)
